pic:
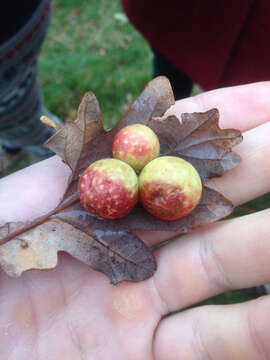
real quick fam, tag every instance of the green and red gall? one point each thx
(170, 187)
(136, 145)
(108, 188)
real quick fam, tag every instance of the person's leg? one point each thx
(181, 83)
(21, 103)
(14, 14)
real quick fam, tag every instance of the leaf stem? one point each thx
(40, 220)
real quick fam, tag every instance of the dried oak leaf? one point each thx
(119, 255)
(110, 246)
(199, 140)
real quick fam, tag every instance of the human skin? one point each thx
(72, 312)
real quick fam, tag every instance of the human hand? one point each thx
(72, 312)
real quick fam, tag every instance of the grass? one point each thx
(91, 46)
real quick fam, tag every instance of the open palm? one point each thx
(72, 312)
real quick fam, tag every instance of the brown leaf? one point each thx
(153, 102)
(199, 140)
(121, 256)
(71, 142)
(212, 207)
(109, 245)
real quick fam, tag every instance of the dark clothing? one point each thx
(216, 43)
(180, 82)
(13, 15)
(21, 102)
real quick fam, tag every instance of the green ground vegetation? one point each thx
(92, 46)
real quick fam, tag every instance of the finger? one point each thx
(235, 332)
(33, 191)
(227, 255)
(242, 107)
(250, 178)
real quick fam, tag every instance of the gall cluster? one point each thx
(168, 187)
